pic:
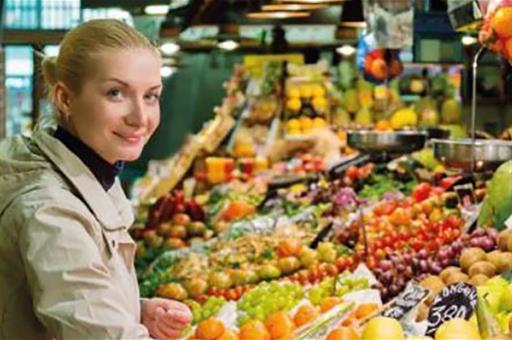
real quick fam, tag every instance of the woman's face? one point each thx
(117, 109)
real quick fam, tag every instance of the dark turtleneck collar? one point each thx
(104, 171)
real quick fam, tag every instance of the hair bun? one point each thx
(49, 69)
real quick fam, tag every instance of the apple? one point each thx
(164, 228)
(196, 229)
(196, 287)
(269, 271)
(178, 231)
(220, 280)
(308, 257)
(173, 243)
(181, 219)
(173, 291)
(288, 264)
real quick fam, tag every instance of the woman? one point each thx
(66, 258)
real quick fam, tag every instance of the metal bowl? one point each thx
(370, 141)
(437, 133)
(489, 154)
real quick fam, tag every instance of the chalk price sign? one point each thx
(455, 301)
(406, 301)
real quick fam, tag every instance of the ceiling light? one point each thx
(277, 15)
(293, 7)
(169, 48)
(346, 50)
(167, 71)
(468, 40)
(228, 45)
(156, 9)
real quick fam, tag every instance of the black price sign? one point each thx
(455, 301)
(406, 301)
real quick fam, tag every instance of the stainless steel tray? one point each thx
(489, 154)
(403, 141)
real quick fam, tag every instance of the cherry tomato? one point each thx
(352, 173)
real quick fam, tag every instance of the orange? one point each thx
(507, 48)
(254, 330)
(383, 125)
(502, 22)
(329, 302)
(306, 313)
(365, 309)
(343, 333)
(379, 69)
(210, 329)
(280, 325)
(289, 247)
(228, 335)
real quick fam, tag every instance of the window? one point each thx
(42, 14)
(18, 82)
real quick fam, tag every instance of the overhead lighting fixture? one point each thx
(346, 50)
(228, 45)
(277, 15)
(169, 48)
(156, 9)
(468, 40)
(293, 7)
(167, 71)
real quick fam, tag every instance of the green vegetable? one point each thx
(497, 206)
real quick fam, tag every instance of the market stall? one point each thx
(324, 203)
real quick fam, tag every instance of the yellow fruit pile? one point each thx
(314, 92)
(304, 125)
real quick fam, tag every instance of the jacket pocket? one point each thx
(119, 246)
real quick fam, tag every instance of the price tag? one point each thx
(455, 301)
(411, 297)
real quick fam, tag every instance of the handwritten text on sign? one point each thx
(406, 301)
(455, 301)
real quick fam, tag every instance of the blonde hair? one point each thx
(80, 48)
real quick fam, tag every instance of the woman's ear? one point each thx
(62, 98)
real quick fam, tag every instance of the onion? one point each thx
(493, 233)
(487, 244)
(478, 232)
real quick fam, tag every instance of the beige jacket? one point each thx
(66, 258)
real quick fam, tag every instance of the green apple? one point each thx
(269, 271)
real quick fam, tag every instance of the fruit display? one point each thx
(496, 30)
(309, 246)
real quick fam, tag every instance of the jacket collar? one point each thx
(111, 207)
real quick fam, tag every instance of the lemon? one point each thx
(319, 123)
(318, 91)
(306, 91)
(293, 92)
(306, 123)
(320, 103)
(293, 124)
(293, 104)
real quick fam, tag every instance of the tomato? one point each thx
(421, 192)
(341, 264)
(453, 222)
(352, 172)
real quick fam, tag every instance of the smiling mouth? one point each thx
(132, 139)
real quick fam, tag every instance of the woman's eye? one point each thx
(114, 93)
(153, 97)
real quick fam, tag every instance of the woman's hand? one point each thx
(165, 319)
